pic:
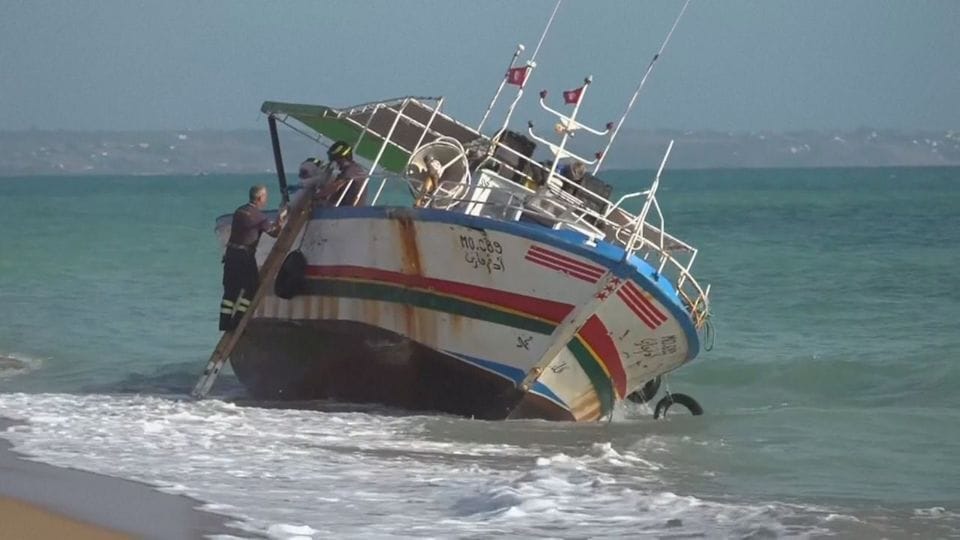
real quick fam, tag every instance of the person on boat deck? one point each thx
(573, 171)
(310, 168)
(349, 182)
(241, 277)
(536, 174)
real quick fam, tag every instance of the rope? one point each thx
(709, 335)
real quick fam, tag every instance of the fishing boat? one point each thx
(479, 280)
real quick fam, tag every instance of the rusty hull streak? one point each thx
(421, 325)
(427, 327)
(369, 311)
(329, 307)
(410, 257)
(456, 323)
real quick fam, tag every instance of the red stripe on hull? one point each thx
(560, 268)
(566, 261)
(636, 310)
(537, 307)
(644, 303)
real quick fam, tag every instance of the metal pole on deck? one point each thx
(643, 81)
(383, 147)
(566, 131)
(278, 159)
(503, 83)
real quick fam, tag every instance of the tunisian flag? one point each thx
(572, 96)
(517, 76)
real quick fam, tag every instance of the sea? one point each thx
(831, 394)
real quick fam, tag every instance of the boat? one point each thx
(480, 280)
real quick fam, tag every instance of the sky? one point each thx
(731, 65)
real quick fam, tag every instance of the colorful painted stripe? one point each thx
(545, 310)
(562, 263)
(509, 372)
(641, 306)
(593, 347)
(596, 337)
(595, 372)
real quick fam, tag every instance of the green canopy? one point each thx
(408, 117)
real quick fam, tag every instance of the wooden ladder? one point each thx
(300, 212)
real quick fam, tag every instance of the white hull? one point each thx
(490, 294)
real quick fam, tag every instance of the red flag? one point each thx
(572, 96)
(517, 76)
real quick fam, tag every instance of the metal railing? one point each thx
(559, 203)
(671, 257)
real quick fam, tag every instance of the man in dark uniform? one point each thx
(241, 277)
(350, 178)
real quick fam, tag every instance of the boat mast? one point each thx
(503, 82)
(643, 81)
(569, 126)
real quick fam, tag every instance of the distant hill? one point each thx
(859, 148)
(249, 151)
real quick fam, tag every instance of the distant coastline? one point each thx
(45, 152)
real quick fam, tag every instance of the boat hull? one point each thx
(434, 310)
(354, 362)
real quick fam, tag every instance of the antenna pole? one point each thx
(643, 81)
(566, 132)
(531, 63)
(545, 30)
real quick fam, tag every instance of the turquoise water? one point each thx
(832, 384)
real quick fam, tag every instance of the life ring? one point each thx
(646, 392)
(683, 399)
(441, 171)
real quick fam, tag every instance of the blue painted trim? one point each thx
(604, 253)
(512, 374)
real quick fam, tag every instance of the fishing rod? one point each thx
(643, 81)
(531, 64)
(545, 30)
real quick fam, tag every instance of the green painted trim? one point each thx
(426, 300)
(335, 129)
(598, 377)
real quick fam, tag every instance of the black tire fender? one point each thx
(683, 399)
(291, 279)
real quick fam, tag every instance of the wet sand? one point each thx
(26, 521)
(44, 501)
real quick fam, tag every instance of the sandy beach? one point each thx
(43, 502)
(27, 521)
